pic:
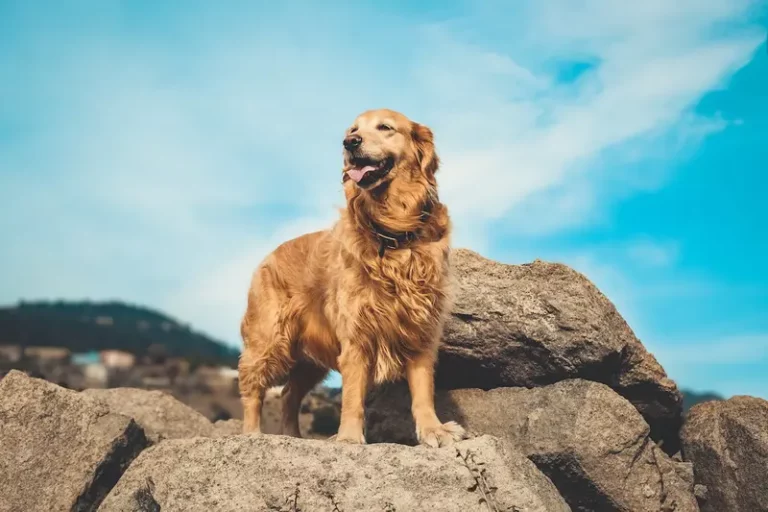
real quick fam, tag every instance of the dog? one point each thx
(367, 297)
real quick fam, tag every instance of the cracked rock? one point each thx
(727, 441)
(276, 473)
(159, 414)
(59, 450)
(540, 323)
(590, 441)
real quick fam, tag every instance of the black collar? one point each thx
(397, 240)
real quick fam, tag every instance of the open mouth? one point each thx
(367, 171)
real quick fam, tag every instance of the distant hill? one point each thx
(691, 398)
(86, 326)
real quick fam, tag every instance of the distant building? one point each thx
(176, 367)
(117, 359)
(95, 375)
(86, 358)
(106, 321)
(216, 378)
(10, 353)
(228, 373)
(181, 365)
(54, 354)
(156, 381)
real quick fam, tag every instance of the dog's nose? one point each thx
(352, 142)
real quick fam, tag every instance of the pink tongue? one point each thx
(357, 174)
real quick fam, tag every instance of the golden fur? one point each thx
(331, 300)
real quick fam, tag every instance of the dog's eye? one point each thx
(384, 128)
(353, 130)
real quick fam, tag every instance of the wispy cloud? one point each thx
(159, 164)
(530, 142)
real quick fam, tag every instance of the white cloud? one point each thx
(164, 167)
(653, 63)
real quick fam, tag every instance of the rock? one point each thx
(727, 441)
(277, 473)
(540, 323)
(223, 428)
(319, 418)
(159, 414)
(591, 442)
(325, 420)
(59, 450)
(700, 491)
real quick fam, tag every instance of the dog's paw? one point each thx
(442, 435)
(349, 438)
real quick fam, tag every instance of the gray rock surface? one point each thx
(727, 441)
(159, 414)
(59, 450)
(277, 473)
(591, 442)
(223, 428)
(535, 324)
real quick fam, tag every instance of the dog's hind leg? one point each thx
(260, 368)
(304, 376)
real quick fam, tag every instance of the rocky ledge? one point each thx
(566, 411)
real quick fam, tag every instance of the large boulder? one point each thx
(727, 441)
(535, 324)
(591, 442)
(59, 450)
(159, 414)
(265, 472)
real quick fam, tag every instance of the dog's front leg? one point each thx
(420, 372)
(355, 369)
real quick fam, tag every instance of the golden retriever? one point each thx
(367, 298)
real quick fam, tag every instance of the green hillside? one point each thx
(86, 326)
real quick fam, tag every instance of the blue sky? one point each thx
(155, 152)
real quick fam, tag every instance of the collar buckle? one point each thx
(395, 241)
(389, 241)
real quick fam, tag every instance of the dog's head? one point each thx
(383, 145)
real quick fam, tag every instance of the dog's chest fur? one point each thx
(401, 306)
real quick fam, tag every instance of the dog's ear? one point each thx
(425, 150)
